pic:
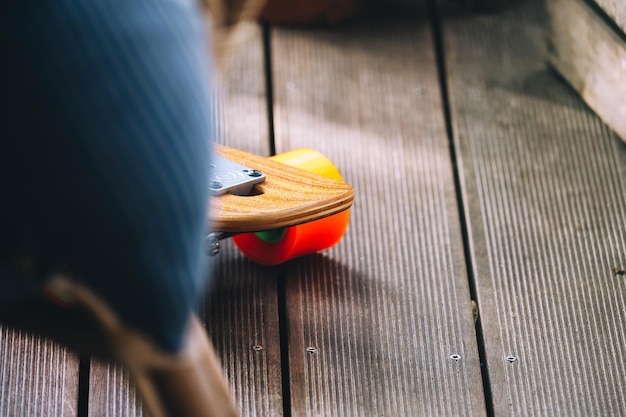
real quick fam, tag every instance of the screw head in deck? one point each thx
(252, 173)
(214, 185)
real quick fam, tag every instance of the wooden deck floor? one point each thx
(480, 272)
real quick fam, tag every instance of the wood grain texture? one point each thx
(374, 322)
(242, 319)
(37, 377)
(591, 56)
(241, 312)
(616, 10)
(111, 393)
(544, 189)
(289, 196)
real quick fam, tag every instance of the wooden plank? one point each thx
(241, 314)
(37, 377)
(591, 55)
(374, 322)
(111, 393)
(242, 311)
(616, 10)
(544, 189)
(242, 317)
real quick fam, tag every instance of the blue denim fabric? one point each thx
(103, 162)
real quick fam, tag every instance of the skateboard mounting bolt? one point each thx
(455, 357)
(212, 244)
(214, 185)
(252, 172)
(511, 359)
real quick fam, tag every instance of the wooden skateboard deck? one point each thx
(289, 196)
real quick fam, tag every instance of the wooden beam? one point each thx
(375, 324)
(37, 376)
(543, 186)
(591, 54)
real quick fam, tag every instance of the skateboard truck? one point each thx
(226, 176)
(212, 243)
(300, 208)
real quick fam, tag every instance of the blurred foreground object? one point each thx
(587, 45)
(104, 171)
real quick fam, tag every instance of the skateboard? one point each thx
(276, 208)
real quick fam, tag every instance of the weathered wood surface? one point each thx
(37, 377)
(544, 189)
(111, 393)
(616, 11)
(591, 55)
(373, 324)
(242, 310)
